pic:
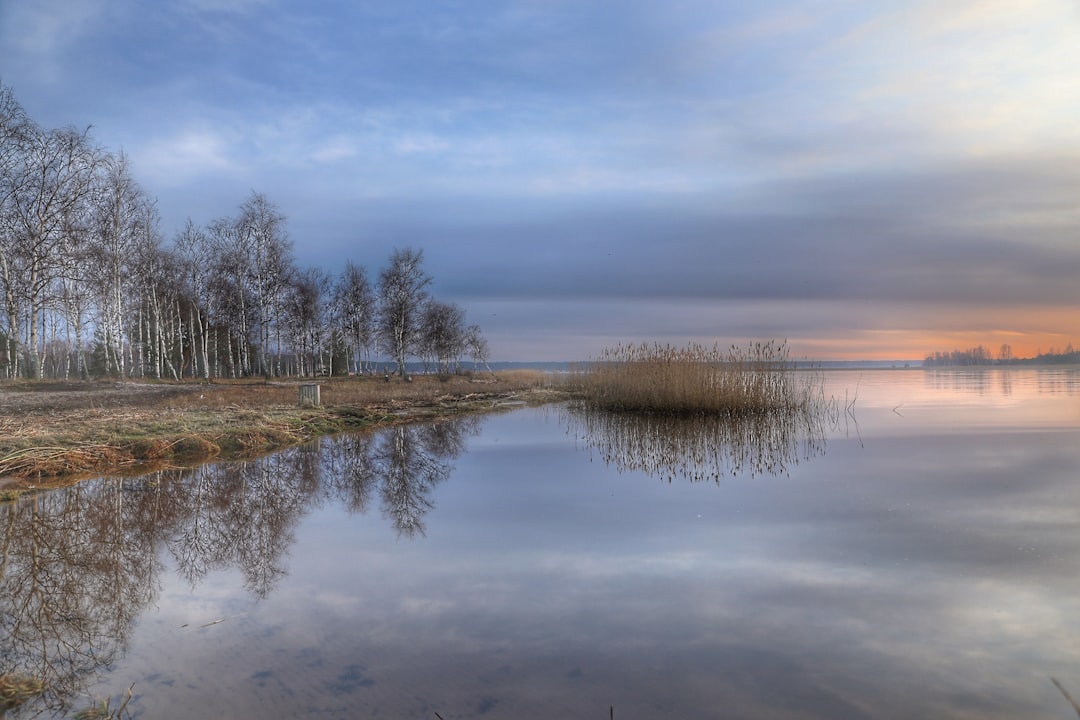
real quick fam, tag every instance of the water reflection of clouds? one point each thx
(897, 564)
(974, 514)
(864, 606)
(959, 400)
(842, 592)
(775, 638)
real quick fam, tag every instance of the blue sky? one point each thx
(866, 179)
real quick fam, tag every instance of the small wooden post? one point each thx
(309, 395)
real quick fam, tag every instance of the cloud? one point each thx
(188, 155)
(46, 29)
(335, 149)
(233, 7)
(906, 155)
(947, 236)
(425, 144)
(977, 77)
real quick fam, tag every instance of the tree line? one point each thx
(980, 355)
(89, 287)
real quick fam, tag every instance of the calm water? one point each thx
(918, 556)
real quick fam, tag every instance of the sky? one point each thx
(866, 180)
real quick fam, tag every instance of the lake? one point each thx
(915, 552)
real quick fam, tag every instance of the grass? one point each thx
(695, 380)
(148, 426)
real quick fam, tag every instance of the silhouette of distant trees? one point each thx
(972, 356)
(980, 356)
(89, 286)
(1054, 356)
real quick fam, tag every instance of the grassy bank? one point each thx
(695, 380)
(74, 430)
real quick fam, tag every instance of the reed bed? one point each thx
(696, 380)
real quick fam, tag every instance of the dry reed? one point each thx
(695, 380)
(102, 709)
(16, 688)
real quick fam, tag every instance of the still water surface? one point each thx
(918, 556)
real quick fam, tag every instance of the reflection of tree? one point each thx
(702, 448)
(242, 514)
(78, 565)
(411, 460)
(195, 545)
(405, 463)
(447, 439)
(978, 380)
(76, 571)
(349, 473)
(409, 474)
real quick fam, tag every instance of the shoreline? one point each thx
(57, 434)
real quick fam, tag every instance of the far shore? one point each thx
(55, 433)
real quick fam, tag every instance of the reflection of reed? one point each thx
(704, 447)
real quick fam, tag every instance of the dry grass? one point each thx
(103, 710)
(15, 689)
(75, 429)
(356, 391)
(695, 380)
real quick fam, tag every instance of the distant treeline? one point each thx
(90, 287)
(980, 355)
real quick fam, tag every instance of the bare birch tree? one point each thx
(119, 209)
(477, 346)
(15, 128)
(353, 313)
(261, 230)
(401, 296)
(195, 256)
(75, 290)
(305, 318)
(231, 295)
(442, 334)
(155, 273)
(55, 175)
